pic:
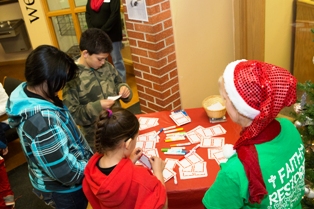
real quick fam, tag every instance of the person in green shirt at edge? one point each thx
(265, 167)
(87, 95)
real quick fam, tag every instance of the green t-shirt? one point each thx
(282, 164)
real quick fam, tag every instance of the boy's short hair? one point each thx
(95, 41)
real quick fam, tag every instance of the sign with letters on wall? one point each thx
(35, 21)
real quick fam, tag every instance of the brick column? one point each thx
(154, 59)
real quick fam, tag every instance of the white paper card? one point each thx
(198, 170)
(114, 97)
(168, 174)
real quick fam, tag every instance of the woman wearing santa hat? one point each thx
(265, 167)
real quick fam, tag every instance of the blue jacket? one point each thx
(2, 145)
(55, 149)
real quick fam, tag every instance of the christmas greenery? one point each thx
(304, 115)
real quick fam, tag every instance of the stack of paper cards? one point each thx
(146, 122)
(180, 117)
(192, 166)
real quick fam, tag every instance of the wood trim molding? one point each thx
(13, 62)
(249, 32)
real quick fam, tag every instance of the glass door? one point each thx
(66, 21)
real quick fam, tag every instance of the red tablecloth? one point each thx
(188, 193)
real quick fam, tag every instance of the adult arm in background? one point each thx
(88, 15)
(3, 100)
(114, 17)
(3, 148)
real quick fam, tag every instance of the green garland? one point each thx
(305, 125)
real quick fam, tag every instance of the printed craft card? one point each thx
(148, 153)
(195, 135)
(214, 130)
(190, 159)
(170, 163)
(212, 142)
(219, 157)
(211, 152)
(168, 174)
(150, 136)
(146, 122)
(146, 144)
(180, 117)
(151, 152)
(197, 170)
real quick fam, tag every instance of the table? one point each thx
(188, 193)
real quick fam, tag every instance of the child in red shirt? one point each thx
(111, 178)
(6, 194)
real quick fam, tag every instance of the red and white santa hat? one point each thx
(234, 94)
(259, 91)
(256, 87)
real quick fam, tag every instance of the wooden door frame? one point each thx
(249, 29)
(73, 10)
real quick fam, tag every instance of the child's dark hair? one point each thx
(113, 126)
(51, 65)
(95, 41)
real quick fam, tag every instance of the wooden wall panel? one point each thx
(249, 19)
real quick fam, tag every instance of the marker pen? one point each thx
(175, 179)
(172, 140)
(174, 153)
(175, 137)
(158, 132)
(179, 145)
(170, 127)
(177, 134)
(173, 130)
(172, 149)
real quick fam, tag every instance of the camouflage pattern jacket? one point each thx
(82, 96)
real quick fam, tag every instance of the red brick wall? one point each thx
(154, 59)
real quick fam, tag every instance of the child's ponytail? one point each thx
(103, 118)
(113, 126)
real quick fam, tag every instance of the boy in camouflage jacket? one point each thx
(87, 95)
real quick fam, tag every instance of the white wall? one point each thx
(203, 34)
(278, 33)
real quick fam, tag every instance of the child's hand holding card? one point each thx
(145, 161)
